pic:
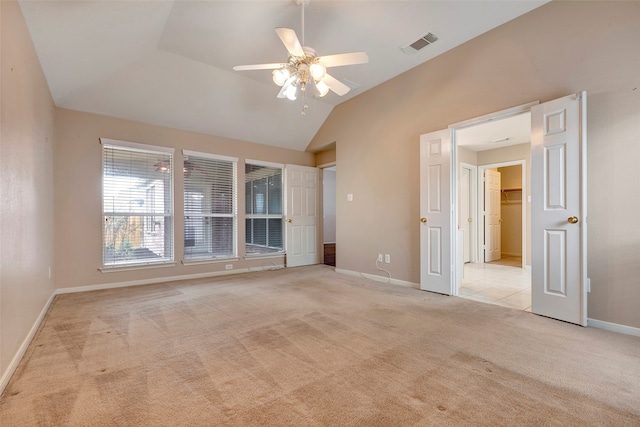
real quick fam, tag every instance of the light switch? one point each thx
(350, 197)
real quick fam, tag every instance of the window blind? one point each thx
(137, 205)
(210, 207)
(264, 208)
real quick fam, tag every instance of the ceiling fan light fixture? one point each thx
(322, 87)
(317, 71)
(280, 76)
(290, 90)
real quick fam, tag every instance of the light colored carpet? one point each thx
(310, 347)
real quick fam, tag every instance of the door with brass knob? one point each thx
(558, 209)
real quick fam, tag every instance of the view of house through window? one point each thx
(137, 204)
(210, 213)
(264, 208)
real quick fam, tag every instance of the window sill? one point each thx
(131, 267)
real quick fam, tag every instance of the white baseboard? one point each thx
(163, 279)
(379, 278)
(614, 327)
(13, 365)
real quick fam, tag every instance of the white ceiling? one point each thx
(496, 134)
(170, 62)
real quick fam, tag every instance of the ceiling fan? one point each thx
(304, 68)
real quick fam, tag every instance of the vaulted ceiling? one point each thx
(170, 62)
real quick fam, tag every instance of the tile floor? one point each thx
(502, 282)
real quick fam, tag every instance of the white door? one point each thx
(492, 226)
(465, 212)
(435, 212)
(558, 209)
(302, 215)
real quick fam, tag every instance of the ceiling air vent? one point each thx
(423, 41)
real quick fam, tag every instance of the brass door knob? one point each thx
(573, 220)
(289, 220)
(469, 220)
(423, 219)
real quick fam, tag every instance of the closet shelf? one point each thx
(509, 190)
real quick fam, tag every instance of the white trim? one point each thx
(115, 285)
(613, 327)
(266, 164)
(473, 190)
(326, 165)
(135, 146)
(379, 278)
(13, 365)
(209, 156)
(497, 115)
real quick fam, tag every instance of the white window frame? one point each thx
(234, 214)
(169, 213)
(268, 216)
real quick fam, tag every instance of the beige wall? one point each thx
(545, 54)
(26, 185)
(78, 175)
(326, 156)
(467, 156)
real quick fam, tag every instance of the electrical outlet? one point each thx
(379, 257)
(387, 258)
(229, 266)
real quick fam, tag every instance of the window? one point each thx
(137, 204)
(264, 222)
(210, 206)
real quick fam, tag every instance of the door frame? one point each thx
(473, 208)
(480, 188)
(321, 169)
(453, 129)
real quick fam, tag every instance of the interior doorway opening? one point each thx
(329, 215)
(492, 190)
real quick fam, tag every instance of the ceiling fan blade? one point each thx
(344, 59)
(336, 85)
(258, 67)
(290, 41)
